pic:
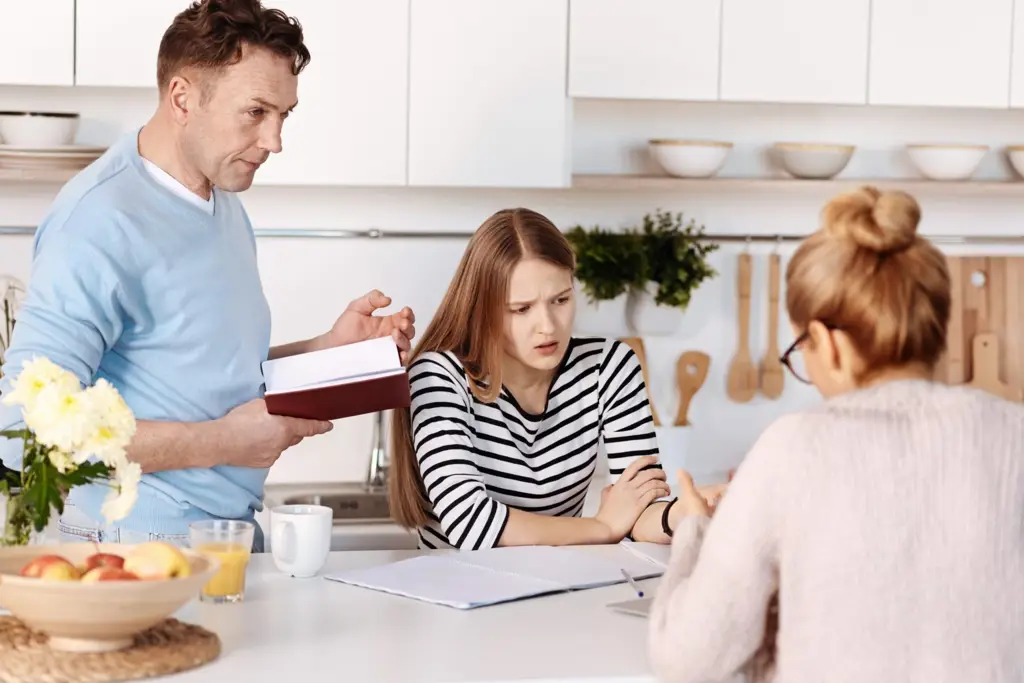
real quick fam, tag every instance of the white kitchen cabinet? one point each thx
(116, 41)
(350, 125)
(488, 105)
(644, 49)
(796, 51)
(37, 43)
(941, 53)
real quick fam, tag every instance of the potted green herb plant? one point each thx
(675, 265)
(608, 265)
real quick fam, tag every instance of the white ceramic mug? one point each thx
(300, 538)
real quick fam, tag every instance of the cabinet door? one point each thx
(37, 43)
(941, 52)
(116, 41)
(798, 51)
(644, 49)
(350, 125)
(487, 99)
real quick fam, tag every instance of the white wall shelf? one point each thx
(664, 183)
(37, 175)
(629, 183)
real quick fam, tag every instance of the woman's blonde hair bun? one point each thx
(882, 222)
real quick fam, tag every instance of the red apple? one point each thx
(103, 560)
(52, 567)
(108, 573)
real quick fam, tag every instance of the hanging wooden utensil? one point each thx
(985, 367)
(742, 379)
(637, 344)
(771, 367)
(691, 371)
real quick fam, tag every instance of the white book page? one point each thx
(444, 580)
(367, 358)
(338, 382)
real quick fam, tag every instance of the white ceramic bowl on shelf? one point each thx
(947, 162)
(1015, 153)
(689, 158)
(812, 160)
(38, 129)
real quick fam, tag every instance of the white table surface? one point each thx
(293, 630)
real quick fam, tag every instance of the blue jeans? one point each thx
(76, 526)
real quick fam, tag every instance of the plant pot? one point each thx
(646, 318)
(600, 318)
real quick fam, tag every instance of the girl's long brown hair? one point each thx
(470, 323)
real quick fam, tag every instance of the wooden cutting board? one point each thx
(988, 301)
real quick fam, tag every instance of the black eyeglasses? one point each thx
(787, 360)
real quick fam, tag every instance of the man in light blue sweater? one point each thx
(144, 272)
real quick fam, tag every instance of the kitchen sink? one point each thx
(354, 503)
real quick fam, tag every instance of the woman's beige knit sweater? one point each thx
(890, 521)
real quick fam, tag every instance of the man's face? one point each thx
(235, 118)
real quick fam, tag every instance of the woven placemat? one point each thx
(169, 647)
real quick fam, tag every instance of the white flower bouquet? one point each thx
(72, 436)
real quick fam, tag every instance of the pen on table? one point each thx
(639, 593)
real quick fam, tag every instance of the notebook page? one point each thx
(571, 568)
(445, 580)
(656, 553)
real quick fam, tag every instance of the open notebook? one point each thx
(470, 579)
(655, 553)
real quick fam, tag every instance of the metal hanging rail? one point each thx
(376, 233)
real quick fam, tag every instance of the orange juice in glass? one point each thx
(230, 541)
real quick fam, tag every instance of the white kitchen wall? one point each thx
(309, 281)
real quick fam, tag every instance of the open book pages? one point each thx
(339, 365)
(470, 579)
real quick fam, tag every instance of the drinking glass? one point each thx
(230, 541)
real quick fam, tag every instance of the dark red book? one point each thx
(355, 379)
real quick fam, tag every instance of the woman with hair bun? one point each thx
(880, 535)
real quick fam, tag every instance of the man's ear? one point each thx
(181, 94)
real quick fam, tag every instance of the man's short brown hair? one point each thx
(210, 34)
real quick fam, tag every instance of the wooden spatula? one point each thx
(771, 367)
(691, 370)
(742, 379)
(985, 364)
(637, 344)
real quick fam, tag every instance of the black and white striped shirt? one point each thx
(478, 459)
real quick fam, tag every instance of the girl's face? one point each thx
(540, 313)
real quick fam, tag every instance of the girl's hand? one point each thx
(623, 502)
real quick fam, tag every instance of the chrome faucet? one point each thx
(377, 475)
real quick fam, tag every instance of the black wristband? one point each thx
(664, 518)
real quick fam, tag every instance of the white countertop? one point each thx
(291, 630)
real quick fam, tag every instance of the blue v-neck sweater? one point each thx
(135, 284)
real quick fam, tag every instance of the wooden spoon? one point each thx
(985, 364)
(742, 379)
(637, 344)
(771, 367)
(691, 370)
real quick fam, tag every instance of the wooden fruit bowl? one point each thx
(98, 616)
